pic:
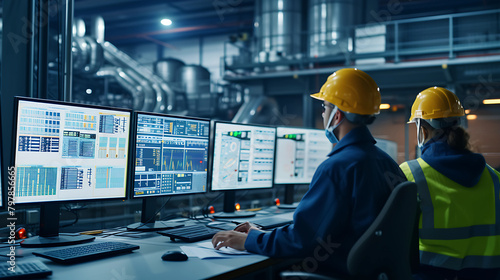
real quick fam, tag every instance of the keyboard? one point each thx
(24, 270)
(191, 233)
(270, 222)
(87, 252)
(222, 225)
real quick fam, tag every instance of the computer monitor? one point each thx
(243, 159)
(171, 158)
(68, 152)
(299, 151)
(3, 200)
(388, 146)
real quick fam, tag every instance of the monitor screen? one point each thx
(299, 151)
(8, 188)
(390, 147)
(69, 151)
(171, 155)
(243, 156)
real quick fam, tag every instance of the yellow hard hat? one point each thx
(436, 103)
(352, 90)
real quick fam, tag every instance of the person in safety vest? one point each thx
(459, 226)
(347, 191)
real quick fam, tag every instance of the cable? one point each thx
(10, 245)
(142, 224)
(74, 212)
(208, 204)
(241, 195)
(17, 256)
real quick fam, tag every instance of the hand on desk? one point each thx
(233, 238)
(246, 227)
(229, 238)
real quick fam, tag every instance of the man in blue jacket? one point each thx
(347, 191)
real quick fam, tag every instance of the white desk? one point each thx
(146, 263)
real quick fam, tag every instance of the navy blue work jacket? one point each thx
(346, 193)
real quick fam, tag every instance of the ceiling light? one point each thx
(385, 106)
(166, 22)
(471, 117)
(491, 101)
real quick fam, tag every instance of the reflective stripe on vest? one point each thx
(496, 182)
(431, 237)
(423, 192)
(439, 260)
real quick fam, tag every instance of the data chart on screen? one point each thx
(299, 152)
(70, 152)
(171, 155)
(243, 156)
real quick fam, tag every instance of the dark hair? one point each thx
(458, 138)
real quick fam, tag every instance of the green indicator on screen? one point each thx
(235, 133)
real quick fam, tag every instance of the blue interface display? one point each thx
(171, 155)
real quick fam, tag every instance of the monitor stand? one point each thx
(49, 230)
(148, 222)
(288, 203)
(229, 211)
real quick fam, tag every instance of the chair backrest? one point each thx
(386, 246)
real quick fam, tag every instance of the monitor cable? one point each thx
(142, 224)
(73, 211)
(204, 210)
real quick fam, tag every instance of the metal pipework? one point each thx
(97, 29)
(88, 55)
(128, 83)
(160, 98)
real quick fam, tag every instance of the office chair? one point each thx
(389, 247)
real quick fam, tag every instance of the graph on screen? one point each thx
(299, 152)
(60, 152)
(243, 156)
(171, 155)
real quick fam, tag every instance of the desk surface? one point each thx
(146, 263)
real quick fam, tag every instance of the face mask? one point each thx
(329, 130)
(420, 135)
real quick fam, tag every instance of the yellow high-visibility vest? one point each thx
(459, 227)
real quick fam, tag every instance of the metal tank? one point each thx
(277, 30)
(329, 29)
(195, 83)
(167, 69)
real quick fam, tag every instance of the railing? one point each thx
(444, 36)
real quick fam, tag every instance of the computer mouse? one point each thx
(175, 256)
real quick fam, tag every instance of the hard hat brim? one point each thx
(317, 96)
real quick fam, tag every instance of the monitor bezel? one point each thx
(17, 99)
(133, 155)
(4, 181)
(212, 149)
(276, 154)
